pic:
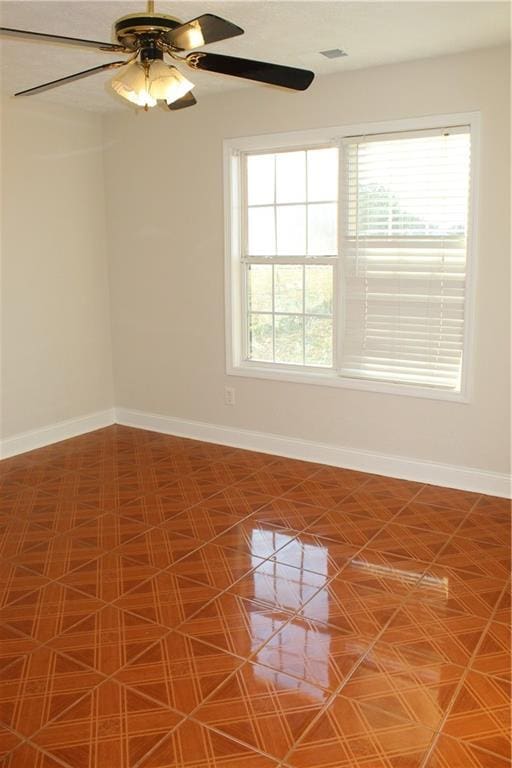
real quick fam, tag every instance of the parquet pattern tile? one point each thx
(459, 590)
(480, 714)
(13, 646)
(403, 490)
(108, 639)
(167, 599)
(61, 516)
(313, 652)
(279, 586)
(29, 756)
(265, 481)
(110, 576)
(178, 671)
(376, 504)
(308, 552)
(493, 656)
(235, 624)
(319, 493)
(264, 708)
(40, 686)
(486, 527)
(236, 501)
(484, 557)
(437, 633)
(111, 725)
(50, 610)
(404, 541)
(159, 547)
(16, 582)
(352, 735)
(216, 566)
(168, 603)
(8, 743)
(192, 744)
(431, 518)
(380, 570)
(352, 608)
(19, 535)
(255, 538)
(405, 684)
(346, 527)
(287, 514)
(200, 522)
(59, 555)
(450, 753)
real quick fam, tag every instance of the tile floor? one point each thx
(168, 603)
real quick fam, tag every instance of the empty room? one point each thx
(255, 422)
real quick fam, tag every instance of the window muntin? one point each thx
(446, 247)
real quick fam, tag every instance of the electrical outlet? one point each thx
(229, 395)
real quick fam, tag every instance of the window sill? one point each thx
(331, 379)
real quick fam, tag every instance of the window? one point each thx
(291, 210)
(348, 260)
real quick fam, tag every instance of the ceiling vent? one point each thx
(333, 53)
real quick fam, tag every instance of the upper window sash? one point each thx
(275, 207)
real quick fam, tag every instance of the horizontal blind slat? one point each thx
(405, 211)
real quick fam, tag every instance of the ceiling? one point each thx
(285, 32)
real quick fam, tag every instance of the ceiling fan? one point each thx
(145, 79)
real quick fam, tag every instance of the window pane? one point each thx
(291, 230)
(323, 174)
(319, 290)
(262, 237)
(322, 229)
(291, 177)
(260, 338)
(260, 179)
(288, 288)
(289, 339)
(318, 341)
(260, 287)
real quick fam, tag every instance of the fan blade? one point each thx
(261, 71)
(201, 31)
(70, 78)
(188, 100)
(43, 37)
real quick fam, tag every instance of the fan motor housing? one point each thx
(134, 30)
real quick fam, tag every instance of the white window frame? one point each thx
(235, 320)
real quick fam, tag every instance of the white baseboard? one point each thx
(53, 433)
(463, 478)
(450, 476)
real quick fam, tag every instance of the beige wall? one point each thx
(165, 214)
(163, 182)
(55, 351)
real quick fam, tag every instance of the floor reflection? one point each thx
(299, 649)
(404, 576)
(289, 587)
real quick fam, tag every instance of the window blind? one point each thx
(405, 210)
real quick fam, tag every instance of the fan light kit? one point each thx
(145, 79)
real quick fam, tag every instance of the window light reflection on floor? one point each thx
(440, 583)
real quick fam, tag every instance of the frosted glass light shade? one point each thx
(144, 88)
(132, 84)
(166, 83)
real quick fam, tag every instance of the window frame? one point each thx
(235, 321)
